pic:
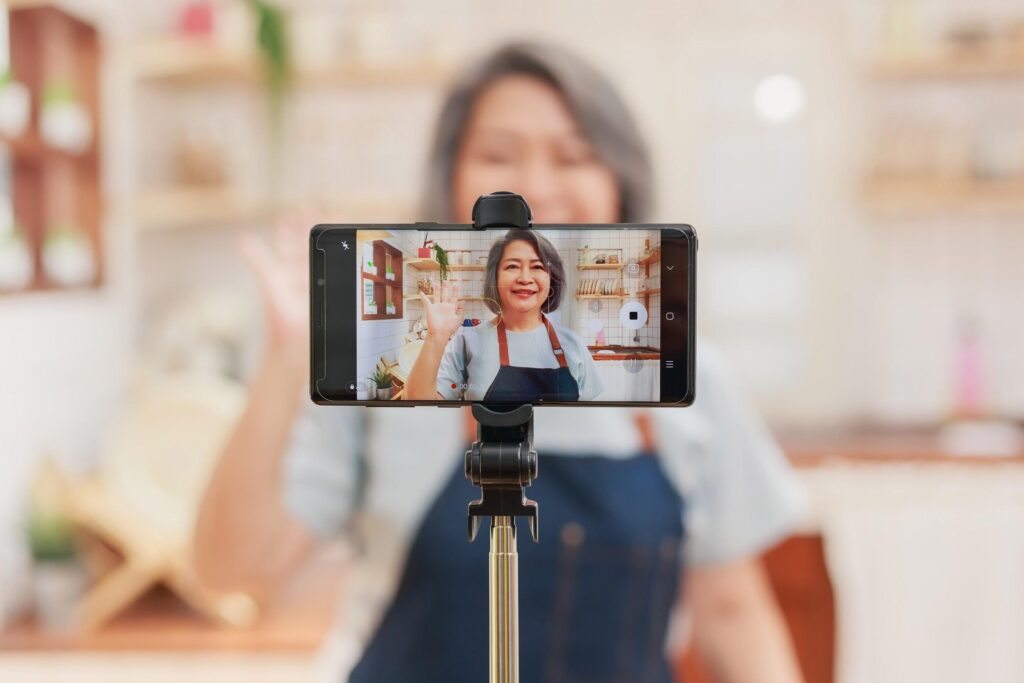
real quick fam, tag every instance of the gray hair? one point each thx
(547, 253)
(600, 111)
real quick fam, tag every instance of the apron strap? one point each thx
(556, 346)
(502, 343)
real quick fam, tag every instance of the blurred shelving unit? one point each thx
(928, 196)
(184, 61)
(55, 160)
(184, 207)
(951, 65)
(194, 208)
(180, 64)
(958, 187)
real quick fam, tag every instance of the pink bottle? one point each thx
(969, 397)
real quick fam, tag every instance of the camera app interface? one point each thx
(509, 315)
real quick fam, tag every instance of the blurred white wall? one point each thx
(830, 312)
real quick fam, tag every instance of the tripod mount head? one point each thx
(502, 461)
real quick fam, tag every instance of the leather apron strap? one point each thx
(556, 346)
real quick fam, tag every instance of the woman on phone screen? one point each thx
(519, 356)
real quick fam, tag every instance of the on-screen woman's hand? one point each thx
(444, 313)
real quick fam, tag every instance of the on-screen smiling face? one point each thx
(523, 279)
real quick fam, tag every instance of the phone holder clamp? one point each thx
(501, 210)
(502, 463)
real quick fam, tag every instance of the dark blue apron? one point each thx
(532, 385)
(595, 595)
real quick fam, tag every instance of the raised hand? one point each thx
(444, 313)
(282, 274)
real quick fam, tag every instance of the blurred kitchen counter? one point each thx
(895, 519)
(878, 446)
(162, 639)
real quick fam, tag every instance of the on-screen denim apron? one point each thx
(531, 385)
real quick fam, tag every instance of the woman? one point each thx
(636, 504)
(520, 356)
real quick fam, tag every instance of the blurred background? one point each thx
(855, 171)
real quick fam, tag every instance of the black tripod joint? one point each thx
(502, 463)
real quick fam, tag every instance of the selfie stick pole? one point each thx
(502, 463)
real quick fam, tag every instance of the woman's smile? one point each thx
(524, 292)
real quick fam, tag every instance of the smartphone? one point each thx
(448, 315)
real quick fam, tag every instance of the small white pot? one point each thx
(68, 260)
(57, 587)
(66, 126)
(15, 108)
(383, 393)
(16, 267)
(363, 391)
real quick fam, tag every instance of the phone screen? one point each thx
(420, 314)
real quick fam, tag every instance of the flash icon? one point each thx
(345, 244)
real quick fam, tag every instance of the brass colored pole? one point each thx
(504, 597)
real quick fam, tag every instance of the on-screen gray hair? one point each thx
(547, 253)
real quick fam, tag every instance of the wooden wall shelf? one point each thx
(949, 66)
(384, 289)
(468, 299)
(182, 61)
(432, 265)
(184, 207)
(924, 196)
(648, 261)
(52, 188)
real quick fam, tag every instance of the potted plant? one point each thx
(382, 380)
(390, 309)
(424, 251)
(275, 50)
(64, 123)
(58, 579)
(67, 257)
(16, 267)
(15, 106)
(389, 273)
(442, 260)
(371, 307)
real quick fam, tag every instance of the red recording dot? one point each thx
(453, 385)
